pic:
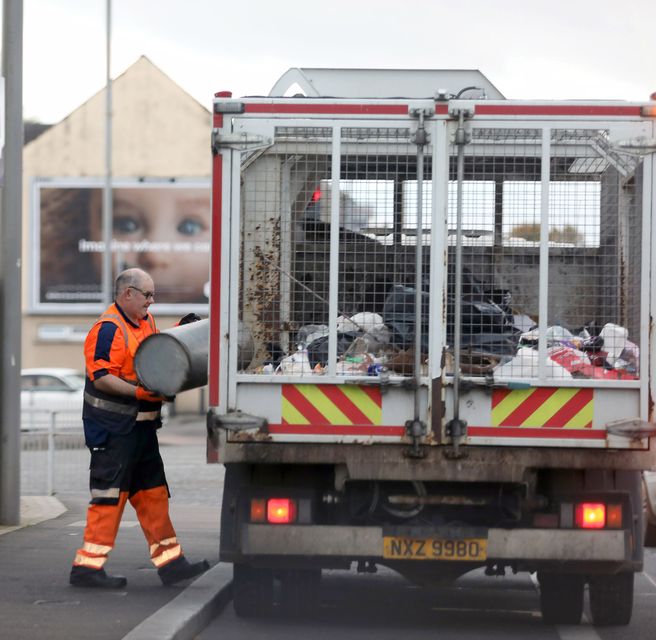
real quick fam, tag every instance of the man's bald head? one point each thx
(130, 278)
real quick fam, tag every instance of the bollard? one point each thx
(50, 486)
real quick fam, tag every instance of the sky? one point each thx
(529, 49)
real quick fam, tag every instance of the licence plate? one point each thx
(402, 548)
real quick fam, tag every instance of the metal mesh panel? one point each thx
(498, 276)
(284, 275)
(377, 252)
(594, 256)
(593, 241)
(286, 250)
(589, 254)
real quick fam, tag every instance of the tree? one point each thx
(568, 234)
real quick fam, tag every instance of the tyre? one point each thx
(611, 599)
(561, 597)
(650, 535)
(252, 591)
(299, 591)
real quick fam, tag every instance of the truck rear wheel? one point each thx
(611, 599)
(650, 535)
(252, 591)
(561, 597)
(299, 591)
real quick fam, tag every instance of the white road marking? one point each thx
(523, 612)
(583, 631)
(653, 582)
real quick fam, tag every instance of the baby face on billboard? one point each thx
(166, 232)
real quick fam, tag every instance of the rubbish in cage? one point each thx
(614, 338)
(608, 355)
(573, 360)
(629, 359)
(367, 338)
(297, 363)
(362, 340)
(402, 363)
(526, 364)
(309, 333)
(376, 370)
(318, 349)
(555, 335)
(475, 362)
(399, 315)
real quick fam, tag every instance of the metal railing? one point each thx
(54, 458)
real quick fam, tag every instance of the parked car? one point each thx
(48, 390)
(649, 484)
(58, 390)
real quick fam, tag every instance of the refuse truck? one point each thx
(430, 340)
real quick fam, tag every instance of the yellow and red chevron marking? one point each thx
(543, 407)
(329, 404)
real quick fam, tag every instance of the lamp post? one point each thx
(10, 263)
(107, 214)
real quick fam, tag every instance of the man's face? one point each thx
(138, 298)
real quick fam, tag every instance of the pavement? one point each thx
(36, 600)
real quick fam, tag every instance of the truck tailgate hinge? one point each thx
(238, 421)
(416, 429)
(632, 429)
(238, 141)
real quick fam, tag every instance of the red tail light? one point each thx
(258, 510)
(614, 516)
(281, 511)
(316, 196)
(590, 515)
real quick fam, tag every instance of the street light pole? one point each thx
(10, 262)
(107, 214)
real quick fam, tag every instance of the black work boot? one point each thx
(86, 577)
(180, 569)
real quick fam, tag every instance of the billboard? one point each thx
(162, 227)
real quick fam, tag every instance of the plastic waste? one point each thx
(593, 346)
(358, 347)
(375, 369)
(556, 333)
(345, 325)
(615, 339)
(526, 364)
(311, 332)
(350, 367)
(367, 321)
(318, 349)
(296, 364)
(629, 358)
(573, 360)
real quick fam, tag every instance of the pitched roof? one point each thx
(157, 129)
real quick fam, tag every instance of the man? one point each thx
(120, 420)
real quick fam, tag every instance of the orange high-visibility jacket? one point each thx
(110, 348)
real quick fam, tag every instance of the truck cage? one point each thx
(348, 229)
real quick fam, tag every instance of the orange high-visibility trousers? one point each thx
(103, 520)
